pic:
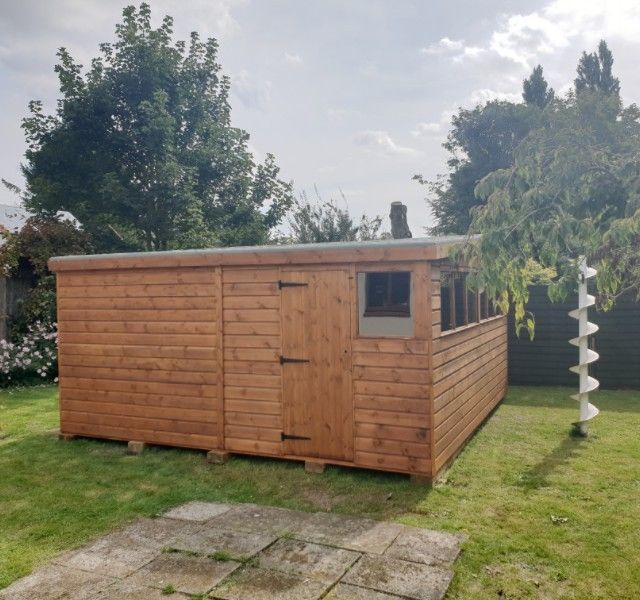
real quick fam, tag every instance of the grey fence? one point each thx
(546, 359)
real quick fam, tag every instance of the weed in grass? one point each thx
(168, 589)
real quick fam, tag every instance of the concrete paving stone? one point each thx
(262, 584)
(426, 546)
(129, 590)
(197, 511)
(406, 579)
(235, 543)
(361, 535)
(55, 582)
(253, 518)
(308, 560)
(188, 574)
(159, 532)
(344, 591)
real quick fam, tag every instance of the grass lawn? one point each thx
(547, 515)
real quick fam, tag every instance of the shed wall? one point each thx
(139, 355)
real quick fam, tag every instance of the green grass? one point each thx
(547, 515)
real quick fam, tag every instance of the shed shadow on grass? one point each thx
(538, 475)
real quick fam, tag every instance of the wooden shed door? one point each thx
(316, 364)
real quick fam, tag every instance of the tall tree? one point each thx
(327, 222)
(481, 140)
(573, 190)
(595, 72)
(536, 90)
(142, 151)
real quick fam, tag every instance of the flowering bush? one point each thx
(34, 355)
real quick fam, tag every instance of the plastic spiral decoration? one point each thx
(585, 329)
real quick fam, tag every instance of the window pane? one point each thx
(460, 292)
(388, 294)
(445, 301)
(472, 306)
(484, 305)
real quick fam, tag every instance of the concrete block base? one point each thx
(217, 457)
(311, 466)
(135, 448)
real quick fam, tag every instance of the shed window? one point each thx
(388, 294)
(460, 304)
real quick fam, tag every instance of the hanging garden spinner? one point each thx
(587, 356)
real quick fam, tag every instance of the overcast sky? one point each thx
(351, 95)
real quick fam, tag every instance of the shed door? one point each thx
(316, 364)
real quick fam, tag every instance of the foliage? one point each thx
(141, 149)
(327, 222)
(535, 90)
(595, 72)
(38, 240)
(481, 140)
(517, 471)
(574, 190)
(33, 355)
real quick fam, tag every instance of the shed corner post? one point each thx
(218, 280)
(434, 332)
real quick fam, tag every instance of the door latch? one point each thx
(285, 436)
(286, 359)
(284, 284)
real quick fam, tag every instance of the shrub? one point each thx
(31, 357)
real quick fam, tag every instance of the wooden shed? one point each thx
(367, 354)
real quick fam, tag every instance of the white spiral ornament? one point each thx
(585, 329)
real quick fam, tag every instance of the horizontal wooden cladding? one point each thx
(150, 303)
(162, 327)
(101, 430)
(252, 367)
(390, 346)
(133, 291)
(257, 256)
(263, 288)
(143, 387)
(385, 359)
(251, 302)
(378, 388)
(185, 352)
(395, 375)
(135, 276)
(258, 315)
(131, 375)
(138, 339)
(240, 328)
(251, 341)
(136, 315)
(403, 464)
(387, 417)
(449, 339)
(479, 336)
(156, 400)
(398, 404)
(252, 446)
(69, 359)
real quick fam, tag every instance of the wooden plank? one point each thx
(251, 302)
(253, 419)
(456, 364)
(375, 388)
(189, 352)
(135, 398)
(250, 275)
(143, 387)
(129, 362)
(253, 406)
(378, 446)
(161, 327)
(392, 432)
(146, 303)
(252, 380)
(135, 315)
(252, 316)
(138, 375)
(250, 289)
(235, 328)
(252, 354)
(458, 336)
(381, 359)
(388, 417)
(172, 290)
(397, 375)
(253, 433)
(135, 276)
(253, 393)
(251, 341)
(450, 354)
(138, 339)
(392, 346)
(250, 367)
(260, 447)
(405, 464)
(407, 405)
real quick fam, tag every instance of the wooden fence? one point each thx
(546, 359)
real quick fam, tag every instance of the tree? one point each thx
(573, 190)
(142, 151)
(32, 246)
(327, 222)
(481, 140)
(595, 72)
(536, 90)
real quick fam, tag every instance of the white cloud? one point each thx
(483, 95)
(253, 94)
(426, 129)
(294, 60)
(443, 46)
(382, 142)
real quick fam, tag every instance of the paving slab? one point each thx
(188, 574)
(344, 591)
(129, 590)
(406, 579)
(55, 582)
(254, 518)
(296, 557)
(361, 535)
(426, 546)
(197, 511)
(237, 544)
(253, 583)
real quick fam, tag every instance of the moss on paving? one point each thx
(548, 515)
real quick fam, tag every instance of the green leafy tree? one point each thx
(327, 222)
(595, 72)
(31, 247)
(141, 149)
(536, 90)
(481, 140)
(573, 190)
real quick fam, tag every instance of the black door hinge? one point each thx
(284, 284)
(285, 436)
(286, 359)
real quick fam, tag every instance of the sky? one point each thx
(353, 97)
